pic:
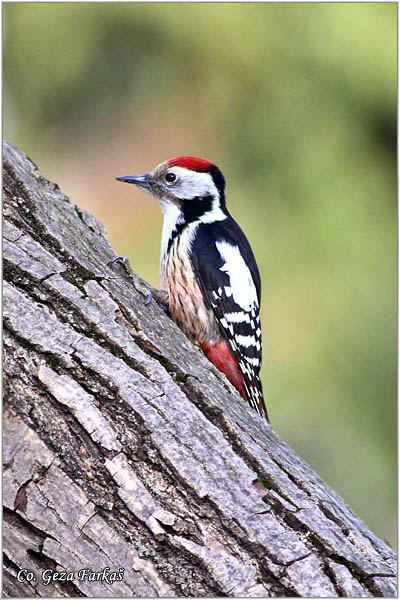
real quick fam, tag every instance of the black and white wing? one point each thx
(228, 277)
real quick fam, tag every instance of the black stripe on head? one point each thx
(196, 208)
(219, 182)
(192, 210)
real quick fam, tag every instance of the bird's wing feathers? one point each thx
(228, 276)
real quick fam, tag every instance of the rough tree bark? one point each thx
(125, 448)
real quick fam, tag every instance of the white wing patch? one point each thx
(241, 282)
(242, 323)
(246, 340)
(237, 317)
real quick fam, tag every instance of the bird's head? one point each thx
(183, 181)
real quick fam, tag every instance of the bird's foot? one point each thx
(116, 260)
(161, 297)
(121, 263)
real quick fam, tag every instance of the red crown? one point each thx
(194, 163)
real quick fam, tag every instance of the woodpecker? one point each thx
(208, 270)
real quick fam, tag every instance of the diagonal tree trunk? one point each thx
(125, 449)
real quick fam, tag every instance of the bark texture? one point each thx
(124, 448)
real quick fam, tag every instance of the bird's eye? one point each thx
(170, 177)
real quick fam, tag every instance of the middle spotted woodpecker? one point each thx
(208, 270)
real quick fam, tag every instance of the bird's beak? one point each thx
(142, 181)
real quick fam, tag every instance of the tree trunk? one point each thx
(125, 449)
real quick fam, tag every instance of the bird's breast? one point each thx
(186, 304)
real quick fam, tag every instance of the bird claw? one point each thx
(117, 259)
(150, 298)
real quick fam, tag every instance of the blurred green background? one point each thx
(296, 103)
